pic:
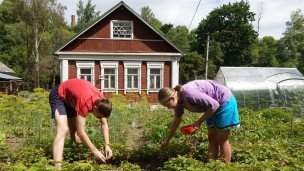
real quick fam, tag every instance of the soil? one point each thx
(14, 143)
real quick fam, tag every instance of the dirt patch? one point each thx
(14, 143)
(136, 135)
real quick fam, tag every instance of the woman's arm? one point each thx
(105, 132)
(205, 116)
(174, 125)
(80, 126)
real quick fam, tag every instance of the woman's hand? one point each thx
(197, 124)
(108, 152)
(164, 145)
(99, 156)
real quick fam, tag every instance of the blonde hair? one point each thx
(165, 93)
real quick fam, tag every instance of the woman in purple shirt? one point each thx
(218, 105)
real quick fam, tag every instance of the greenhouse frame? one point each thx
(264, 87)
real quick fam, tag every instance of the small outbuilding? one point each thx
(7, 80)
(263, 87)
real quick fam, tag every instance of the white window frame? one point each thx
(155, 65)
(132, 65)
(120, 21)
(86, 65)
(109, 65)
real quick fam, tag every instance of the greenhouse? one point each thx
(264, 87)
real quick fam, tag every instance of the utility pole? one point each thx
(207, 53)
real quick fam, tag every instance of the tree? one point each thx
(230, 27)
(180, 37)
(12, 42)
(41, 16)
(260, 14)
(166, 27)
(148, 16)
(191, 67)
(268, 47)
(290, 53)
(43, 30)
(85, 15)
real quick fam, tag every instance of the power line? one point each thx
(194, 13)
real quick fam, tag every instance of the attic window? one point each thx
(122, 29)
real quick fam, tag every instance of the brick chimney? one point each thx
(73, 21)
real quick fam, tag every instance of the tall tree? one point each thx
(86, 14)
(230, 27)
(191, 67)
(148, 16)
(40, 17)
(291, 52)
(180, 37)
(268, 47)
(12, 42)
(43, 30)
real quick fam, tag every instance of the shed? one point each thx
(262, 87)
(7, 80)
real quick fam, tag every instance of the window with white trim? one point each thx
(155, 76)
(85, 70)
(132, 76)
(109, 76)
(121, 29)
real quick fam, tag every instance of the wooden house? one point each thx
(121, 53)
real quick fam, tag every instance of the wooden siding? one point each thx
(119, 46)
(97, 72)
(98, 37)
(152, 97)
(167, 74)
(72, 70)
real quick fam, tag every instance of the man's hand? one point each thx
(99, 156)
(108, 152)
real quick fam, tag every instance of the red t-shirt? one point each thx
(80, 94)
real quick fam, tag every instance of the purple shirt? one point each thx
(201, 96)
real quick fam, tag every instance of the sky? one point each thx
(275, 13)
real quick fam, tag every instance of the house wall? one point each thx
(98, 37)
(152, 96)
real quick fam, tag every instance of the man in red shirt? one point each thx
(70, 103)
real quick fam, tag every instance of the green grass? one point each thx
(270, 139)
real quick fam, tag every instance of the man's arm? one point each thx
(80, 126)
(105, 132)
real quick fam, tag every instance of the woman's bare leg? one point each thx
(213, 147)
(225, 148)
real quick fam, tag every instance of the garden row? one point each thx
(268, 139)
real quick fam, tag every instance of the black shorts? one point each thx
(57, 103)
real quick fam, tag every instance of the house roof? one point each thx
(9, 77)
(121, 3)
(5, 69)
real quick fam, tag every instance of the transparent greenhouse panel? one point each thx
(263, 87)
